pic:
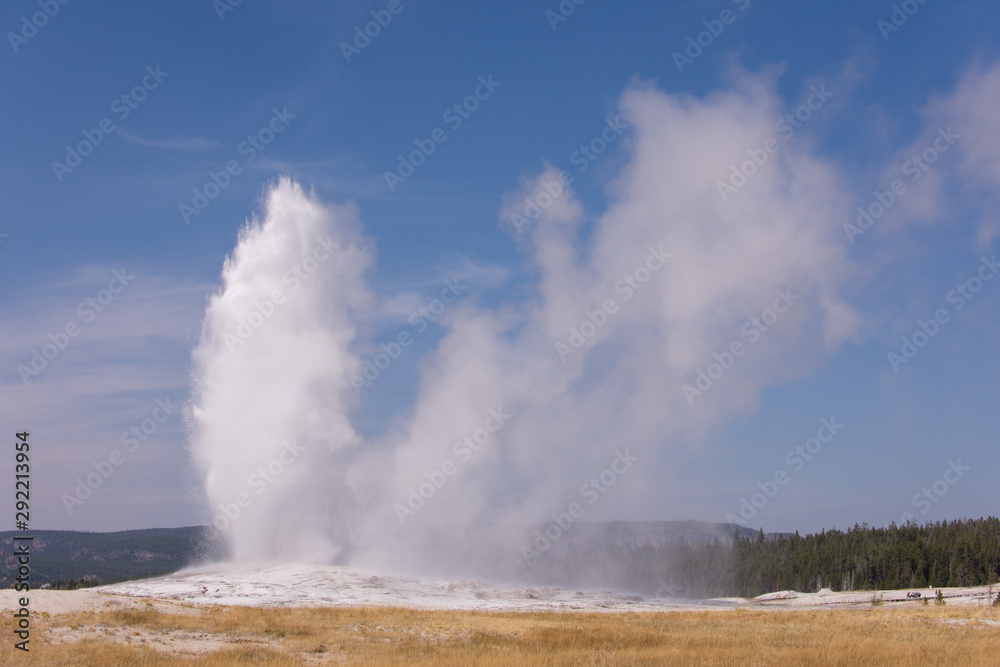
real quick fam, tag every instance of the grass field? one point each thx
(393, 636)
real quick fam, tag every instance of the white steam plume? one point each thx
(271, 394)
(622, 388)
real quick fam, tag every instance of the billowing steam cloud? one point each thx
(572, 407)
(521, 405)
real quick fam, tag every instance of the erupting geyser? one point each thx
(271, 387)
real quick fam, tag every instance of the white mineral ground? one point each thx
(334, 586)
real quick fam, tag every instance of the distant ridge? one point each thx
(98, 558)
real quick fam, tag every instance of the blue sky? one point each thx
(220, 80)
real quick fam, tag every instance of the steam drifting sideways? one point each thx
(587, 368)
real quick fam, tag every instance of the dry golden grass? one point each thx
(394, 636)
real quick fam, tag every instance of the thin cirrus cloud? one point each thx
(186, 144)
(103, 381)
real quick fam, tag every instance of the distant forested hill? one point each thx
(948, 553)
(96, 558)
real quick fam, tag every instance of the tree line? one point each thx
(947, 553)
(746, 564)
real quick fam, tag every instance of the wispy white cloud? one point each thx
(103, 381)
(972, 108)
(401, 301)
(190, 144)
